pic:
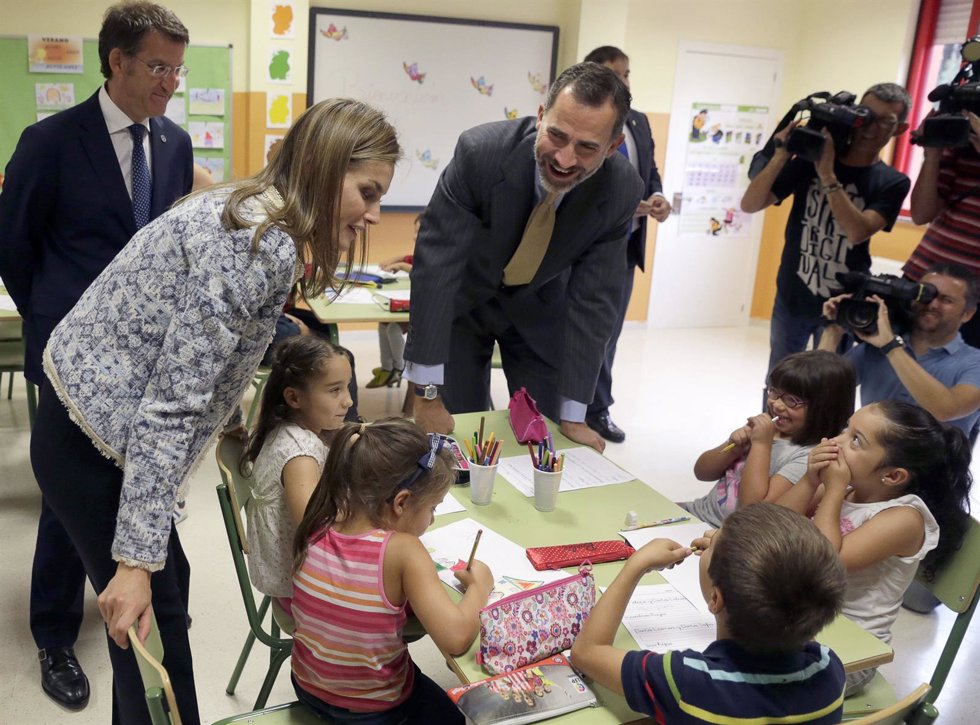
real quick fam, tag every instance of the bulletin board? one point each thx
(204, 105)
(433, 77)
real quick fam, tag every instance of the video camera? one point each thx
(837, 113)
(950, 128)
(861, 314)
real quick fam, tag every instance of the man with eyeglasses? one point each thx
(79, 185)
(838, 204)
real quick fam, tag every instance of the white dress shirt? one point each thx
(118, 124)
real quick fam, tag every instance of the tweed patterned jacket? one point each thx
(158, 352)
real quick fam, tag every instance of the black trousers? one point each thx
(82, 489)
(603, 399)
(467, 372)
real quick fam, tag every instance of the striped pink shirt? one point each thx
(347, 647)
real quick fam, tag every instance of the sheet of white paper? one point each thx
(449, 505)
(584, 468)
(352, 296)
(684, 576)
(7, 303)
(660, 618)
(450, 547)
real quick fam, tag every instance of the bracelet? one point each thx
(831, 188)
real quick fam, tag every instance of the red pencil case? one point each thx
(597, 552)
(525, 418)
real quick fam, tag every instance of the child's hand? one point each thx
(761, 428)
(478, 575)
(820, 457)
(836, 475)
(741, 438)
(659, 554)
(701, 544)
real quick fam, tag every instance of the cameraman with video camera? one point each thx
(930, 366)
(947, 197)
(839, 201)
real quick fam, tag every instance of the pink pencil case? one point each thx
(525, 419)
(527, 626)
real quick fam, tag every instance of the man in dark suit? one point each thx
(637, 146)
(78, 186)
(543, 285)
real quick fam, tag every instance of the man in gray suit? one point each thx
(482, 273)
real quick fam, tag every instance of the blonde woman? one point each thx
(153, 360)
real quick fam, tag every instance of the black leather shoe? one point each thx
(604, 426)
(62, 677)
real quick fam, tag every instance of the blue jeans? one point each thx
(428, 703)
(789, 332)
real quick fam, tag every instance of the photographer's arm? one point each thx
(926, 202)
(945, 403)
(759, 194)
(831, 335)
(856, 224)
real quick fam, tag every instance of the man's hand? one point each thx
(125, 599)
(581, 433)
(825, 164)
(659, 207)
(884, 334)
(784, 135)
(432, 416)
(831, 306)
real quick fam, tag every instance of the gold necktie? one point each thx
(537, 234)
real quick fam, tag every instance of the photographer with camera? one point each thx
(931, 366)
(839, 201)
(947, 197)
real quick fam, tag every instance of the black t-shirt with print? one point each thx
(816, 249)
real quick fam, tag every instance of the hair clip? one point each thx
(424, 464)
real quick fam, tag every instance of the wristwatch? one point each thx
(896, 341)
(429, 392)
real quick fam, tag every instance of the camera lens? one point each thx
(858, 315)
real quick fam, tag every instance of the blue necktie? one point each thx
(142, 189)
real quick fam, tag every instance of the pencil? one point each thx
(482, 421)
(730, 446)
(662, 522)
(476, 541)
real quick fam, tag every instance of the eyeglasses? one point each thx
(164, 71)
(424, 464)
(790, 401)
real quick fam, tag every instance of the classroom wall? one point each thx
(830, 45)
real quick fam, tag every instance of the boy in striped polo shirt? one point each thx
(772, 581)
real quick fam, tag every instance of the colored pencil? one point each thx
(476, 542)
(662, 522)
(482, 421)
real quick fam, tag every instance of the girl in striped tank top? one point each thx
(360, 564)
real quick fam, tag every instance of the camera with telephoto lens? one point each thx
(861, 314)
(949, 128)
(838, 113)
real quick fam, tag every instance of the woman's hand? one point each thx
(125, 599)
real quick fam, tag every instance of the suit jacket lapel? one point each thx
(108, 178)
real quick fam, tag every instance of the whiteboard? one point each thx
(433, 78)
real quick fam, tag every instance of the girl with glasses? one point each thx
(360, 564)
(809, 397)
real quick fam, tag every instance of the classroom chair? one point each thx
(162, 704)
(12, 362)
(903, 712)
(258, 385)
(956, 587)
(233, 493)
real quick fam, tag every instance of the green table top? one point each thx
(332, 313)
(595, 514)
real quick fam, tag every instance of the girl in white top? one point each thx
(890, 491)
(304, 402)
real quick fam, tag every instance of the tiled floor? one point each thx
(679, 392)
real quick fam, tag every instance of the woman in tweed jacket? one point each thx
(156, 355)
